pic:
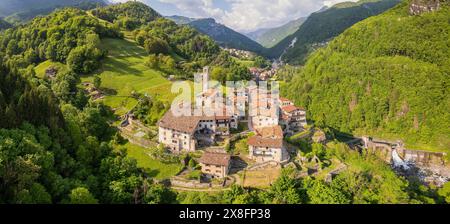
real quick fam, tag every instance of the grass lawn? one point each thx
(154, 168)
(246, 63)
(124, 71)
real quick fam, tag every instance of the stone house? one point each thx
(292, 118)
(215, 164)
(177, 133)
(51, 72)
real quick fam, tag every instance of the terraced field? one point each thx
(124, 71)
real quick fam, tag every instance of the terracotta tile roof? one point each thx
(214, 158)
(259, 141)
(186, 124)
(270, 132)
(284, 99)
(290, 108)
(271, 137)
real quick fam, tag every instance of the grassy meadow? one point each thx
(154, 168)
(124, 71)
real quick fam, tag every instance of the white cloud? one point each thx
(247, 15)
(330, 3)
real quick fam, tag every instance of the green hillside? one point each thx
(387, 76)
(4, 24)
(129, 15)
(19, 11)
(322, 26)
(124, 71)
(225, 36)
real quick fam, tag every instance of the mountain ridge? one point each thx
(223, 35)
(323, 25)
(269, 37)
(386, 77)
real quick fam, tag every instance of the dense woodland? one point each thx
(386, 76)
(322, 26)
(57, 145)
(225, 36)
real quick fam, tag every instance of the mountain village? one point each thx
(104, 104)
(250, 111)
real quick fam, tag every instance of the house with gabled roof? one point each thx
(267, 145)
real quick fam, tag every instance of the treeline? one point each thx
(68, 35)
(386, 76)
(56, 145)
(53, 155)
(129, 15)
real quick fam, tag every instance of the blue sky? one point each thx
(241, 15)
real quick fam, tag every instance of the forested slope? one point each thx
(56, 146)
(387, 76)
(322, 26)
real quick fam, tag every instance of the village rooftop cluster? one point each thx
(271, 118)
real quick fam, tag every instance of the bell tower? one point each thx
(205, 76)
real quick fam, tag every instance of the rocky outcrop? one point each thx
(418, 7)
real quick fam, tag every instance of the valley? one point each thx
(361, 116)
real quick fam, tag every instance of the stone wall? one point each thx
(195, 184)
(422, 158)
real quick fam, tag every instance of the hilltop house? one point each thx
(215, 164)
(51, 72)
(267, 145)
(184, 133)
(292, 118)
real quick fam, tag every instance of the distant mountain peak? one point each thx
(223, 35)
(324, 25)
